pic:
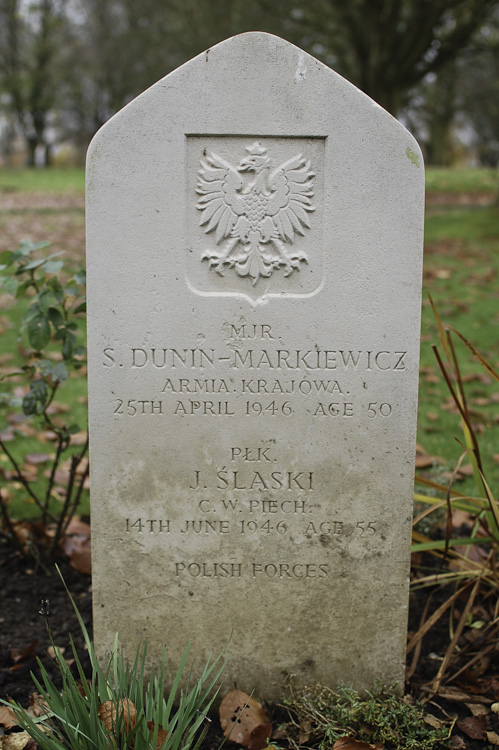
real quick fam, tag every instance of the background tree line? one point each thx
(66, 66)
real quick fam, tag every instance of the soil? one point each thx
(24, 637)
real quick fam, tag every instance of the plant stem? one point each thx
(50, 486)
(20, 477)
(12, 536)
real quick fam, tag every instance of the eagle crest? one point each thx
(255, 220)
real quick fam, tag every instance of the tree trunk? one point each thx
(31, 143)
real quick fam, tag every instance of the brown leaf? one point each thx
(56, 408)
(162, 734)
(259, 738)
(461, 518)
(18, 654)
(432, 721)
(18, 741)
(29, 472)
(305, 729)
(76, 544)
(79, 438)
(77, 527)
(7, 717)
(239, 716)
(493, 738)
(37, 706)
(423, 462)
(474, 726)
(109, 713)
(454, 694)
(477, 709)
(38, 458)
(348, 743)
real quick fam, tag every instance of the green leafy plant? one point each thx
(121, 705)
(319, 716)
(50, 328)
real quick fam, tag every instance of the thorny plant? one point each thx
(121, 706)
(469, 562)
(50, 325)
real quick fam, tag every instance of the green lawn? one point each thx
(72, 179)
(461, 180)
(62, 180)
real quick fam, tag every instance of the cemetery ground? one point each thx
(453, 665)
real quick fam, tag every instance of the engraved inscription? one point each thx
(255, 218)
(253, 570)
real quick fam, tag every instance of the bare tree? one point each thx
(30, 42)
(386, 47)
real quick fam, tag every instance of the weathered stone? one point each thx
(254, 274)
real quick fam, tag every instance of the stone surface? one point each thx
(254, 273)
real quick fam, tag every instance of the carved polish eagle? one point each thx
(255, 219)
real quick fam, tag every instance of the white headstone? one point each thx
(254, 277)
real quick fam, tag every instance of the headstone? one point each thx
(254, 279)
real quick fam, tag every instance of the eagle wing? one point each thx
(219, 199)
(291, 198)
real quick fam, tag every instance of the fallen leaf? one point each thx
(77, 527)
(56, 408)
(348, 743)
(474, 726)
(79, 438)
(432, 721)
(259, 738)
(29, 472)
(108, 712)
(76, 544)
(37, 706)
(305, 729)
(38, 458)
(17, 655)
(493, 738)
(454, 694)
(460, 518)
(478, 709)
(423, 462)
(18, 741)
(240, 715)
(7, 717)
(162, 734)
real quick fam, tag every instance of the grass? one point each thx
(461, 269)
(72, 179)
(461, 180)
(61, 180)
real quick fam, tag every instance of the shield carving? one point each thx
(254, 213)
